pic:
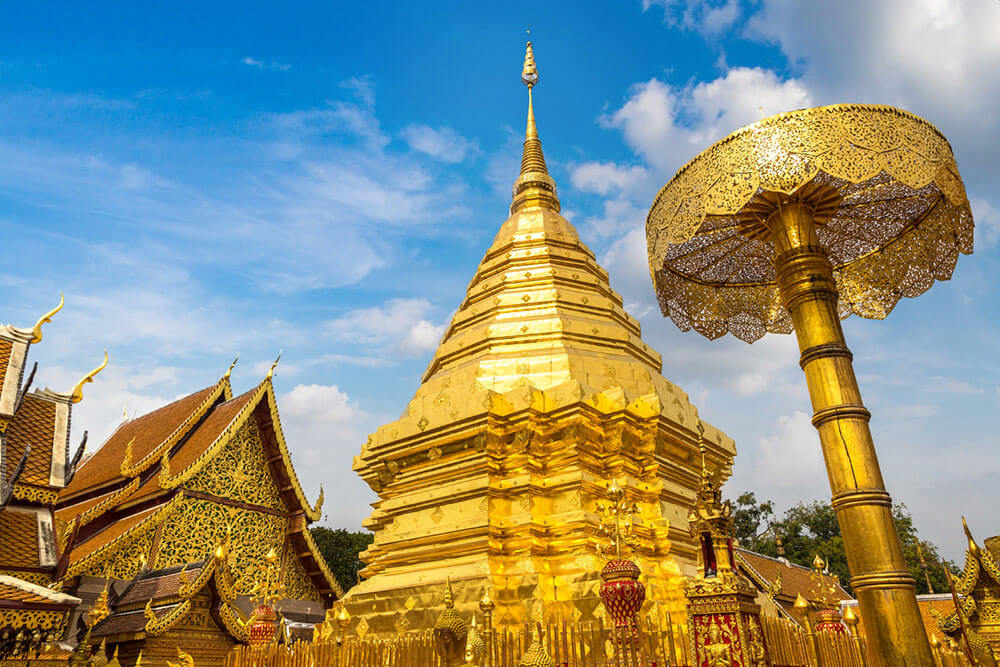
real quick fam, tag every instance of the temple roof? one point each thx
(157, 600)
(34, 425)
(159, 452)
(13, 589)
(149, 434)
(764, 571)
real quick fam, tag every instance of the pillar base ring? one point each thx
(845, 410)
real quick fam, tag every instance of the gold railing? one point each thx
(663, 643)
(415, 649)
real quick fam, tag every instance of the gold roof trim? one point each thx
(113, 499)
(321, 562)
(264, 389)
(36, 331)
(169, 481)
(155, 517)
(311, 513)
(158, 625)
(77, 394)
(222, 389)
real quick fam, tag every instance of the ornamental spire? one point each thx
(533, 187)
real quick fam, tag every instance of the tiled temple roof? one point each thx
(149, 434)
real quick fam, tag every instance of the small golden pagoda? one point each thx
(541, 393)
(35, 464)
(169, 487)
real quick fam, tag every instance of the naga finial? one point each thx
(973, 547)
(77, 395)
(270, 373)
(126, 464)
(319, 501)
(36, 331)
(233, 365)
(163, 479)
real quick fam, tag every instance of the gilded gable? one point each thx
(240, 472)
(196, 526)
(296, 581)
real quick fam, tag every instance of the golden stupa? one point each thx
(541, 393)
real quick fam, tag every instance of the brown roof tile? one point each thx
(70, 512)
(158, 585)
(16, 594)
(127, 621)
(19, 537)
(34, 423)
(208, 432)
(149, 431)
(200, 440)
(795, 579)
(109, 534)
(18, 590)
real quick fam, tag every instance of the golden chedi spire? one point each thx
(541, 385)
(534, 186)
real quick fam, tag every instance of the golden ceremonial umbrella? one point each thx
(793, 223)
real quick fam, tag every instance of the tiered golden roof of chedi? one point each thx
(35, 463)
(540, 392)
(169, 486)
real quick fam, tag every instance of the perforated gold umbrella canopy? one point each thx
(896, 221)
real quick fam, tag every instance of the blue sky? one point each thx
(323, 178)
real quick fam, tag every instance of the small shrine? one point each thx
(190, 606)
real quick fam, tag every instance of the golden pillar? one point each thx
(885, 589)
(793, 223)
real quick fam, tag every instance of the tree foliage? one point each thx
(341, 549)
(808, 529)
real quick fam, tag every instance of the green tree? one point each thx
(808, 529)
(342, 551)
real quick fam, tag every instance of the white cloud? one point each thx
(400, 326)
(443, 143)
(619, 215)
(954, 386)
(790, 458)
(324, 403)
(987, 224)
(324, 429)
(363, 88)
(668, 126)
(606, 177)
(711, 19)
(936, 58)
(257, 63)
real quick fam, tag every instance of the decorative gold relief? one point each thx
(239, 471)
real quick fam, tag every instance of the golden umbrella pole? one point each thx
(881, 580)
(795, 222)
